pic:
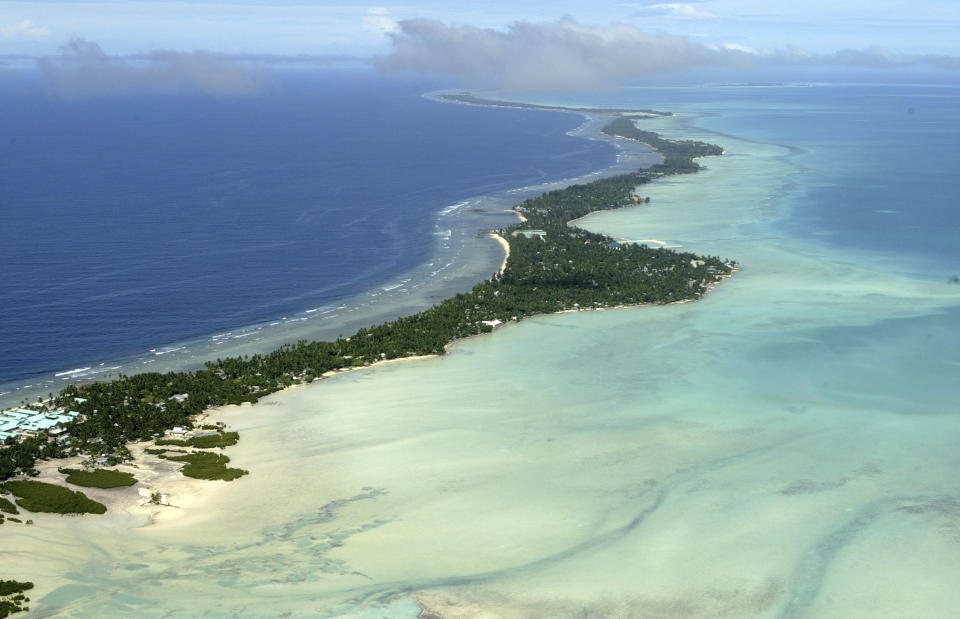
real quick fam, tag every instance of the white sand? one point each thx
(784, 448)
(506, 250)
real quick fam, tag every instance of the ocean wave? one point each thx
(73, 372)
(165, 351)
(453, 207)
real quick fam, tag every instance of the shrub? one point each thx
(205, 465)
(14, 604)
(221, 439)
(99, 478)
(36, 496)
(7, 506)
(9, 587)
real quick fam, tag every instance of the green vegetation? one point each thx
(98, 478)
(553, 266)
(11, 587)
(21, 456)
(12, 599)
(206, 465)
(681, 149)
(7, 507)
(220, 439)
(36, 496)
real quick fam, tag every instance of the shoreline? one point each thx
(420, 286)
(468, 98)
(195, 497)
(506, 250)
(499, 505)
(180, 494)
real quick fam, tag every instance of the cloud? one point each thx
(740, 47)
(377, 18)
(565, 55)
(84, 70)
(549, 55)
(641, 4)
(870, 58)
(677, 9)
(23, 31)
(878, 57)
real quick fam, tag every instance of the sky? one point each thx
(496, 43)
(289, 27)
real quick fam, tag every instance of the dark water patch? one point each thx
(657, 494)
(138, 221)
(808, 486)
(811, 572)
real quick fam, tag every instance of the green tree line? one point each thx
(552, 267)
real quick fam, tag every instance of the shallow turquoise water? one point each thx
(784, 448)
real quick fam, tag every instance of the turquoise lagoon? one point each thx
(784, 448)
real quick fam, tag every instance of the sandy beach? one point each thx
(782, 449)
(506, 250)
(132, 504)
(187, 501)
(457, 264)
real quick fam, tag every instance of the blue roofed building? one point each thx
(25, 421)
(7, 424)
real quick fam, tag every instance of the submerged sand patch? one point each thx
(771, 451)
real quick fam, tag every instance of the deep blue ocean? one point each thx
(798, 426)
(138, 221)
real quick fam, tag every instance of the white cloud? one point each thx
(678, 9)
(378, 19)
(740, 47)
(23, 31)
(568, 55)
(546, 55)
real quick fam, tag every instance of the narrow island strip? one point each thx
(550, 266)
(471, 99)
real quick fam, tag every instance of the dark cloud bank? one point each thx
(566, 55)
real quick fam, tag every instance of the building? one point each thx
(530, 234)
(29, 422)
